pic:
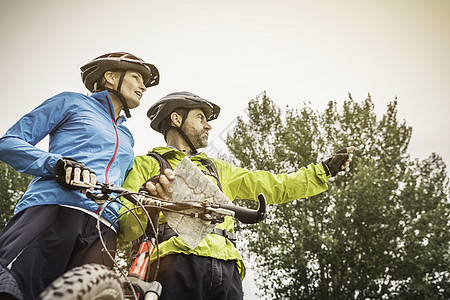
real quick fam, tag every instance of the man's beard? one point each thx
(198, 139)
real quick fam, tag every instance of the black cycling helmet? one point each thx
(159, 111)
(93, 71)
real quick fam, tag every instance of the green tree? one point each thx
(12, 186)
(380, 231)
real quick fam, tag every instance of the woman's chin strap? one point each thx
(122, 100)
(120, 96)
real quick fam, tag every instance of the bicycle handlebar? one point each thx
(245, 215)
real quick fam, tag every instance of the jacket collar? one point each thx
(105, 99)
(177, 154)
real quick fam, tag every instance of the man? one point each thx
(54, 226)
(214, 269)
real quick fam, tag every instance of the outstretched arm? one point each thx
(280, 188)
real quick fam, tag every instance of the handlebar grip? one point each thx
(246, 215)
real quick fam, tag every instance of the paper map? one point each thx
(191, 185)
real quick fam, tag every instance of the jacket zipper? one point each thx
(114, 123)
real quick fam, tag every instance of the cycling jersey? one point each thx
(236, 183)
(80, 127)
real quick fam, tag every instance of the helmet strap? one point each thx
(120, 96)
(181, 132)
(188, 141)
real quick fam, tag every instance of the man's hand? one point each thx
(160, 186)
(69, 172)
(340, 161)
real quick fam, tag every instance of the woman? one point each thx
(54, 226)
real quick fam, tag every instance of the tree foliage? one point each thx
(12, 186)
(380, 231)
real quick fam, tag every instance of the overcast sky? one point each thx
(230, 51)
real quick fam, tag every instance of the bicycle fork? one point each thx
(138, 271)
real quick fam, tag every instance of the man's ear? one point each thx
(176, 119)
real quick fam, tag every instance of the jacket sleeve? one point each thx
(17, 146)
(278, 188)
(129, 227)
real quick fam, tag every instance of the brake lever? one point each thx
(83, 185)
(99, 198)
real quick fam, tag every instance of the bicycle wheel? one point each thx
(92, 281)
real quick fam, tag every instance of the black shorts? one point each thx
(197, 277)
(42, 242)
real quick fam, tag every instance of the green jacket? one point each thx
(236, 183)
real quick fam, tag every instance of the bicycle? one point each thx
(94, 281)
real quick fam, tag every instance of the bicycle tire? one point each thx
(91, 281)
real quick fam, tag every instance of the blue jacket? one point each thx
(80, 127)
